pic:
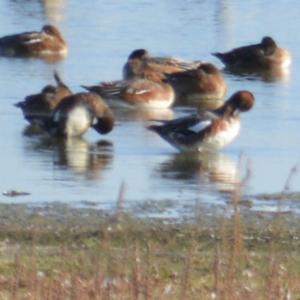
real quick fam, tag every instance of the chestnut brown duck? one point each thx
(41, 105)
(45, 43)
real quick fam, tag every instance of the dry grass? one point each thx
(140, 259)
(235, 256)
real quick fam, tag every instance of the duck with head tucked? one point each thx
(75, 114)
(141, 64)
(209, 130)
(264, 55)
(45, 43)
(206, 82)
(41, 105)
(137, 92)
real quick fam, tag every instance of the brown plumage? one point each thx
(41, 105)
(141, 65)
(263, 55)
(44, 43)
(75, 114)
(137, 92)
(209, 130)
(204, 82)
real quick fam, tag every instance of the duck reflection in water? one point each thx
(270, 75)
(203, 84)
(54, 10)
(84, 158)
(205, 169)
(88, 160)
(264, 60)
(143, 115)
(48, 44)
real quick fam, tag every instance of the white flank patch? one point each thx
(33, 41)
(285, 59)
(200, 126)
(138, 92)
(79, 120)
(223, 137)
(62, 52)
(286, 63)
(155, 103)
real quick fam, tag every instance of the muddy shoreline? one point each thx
(86, 253)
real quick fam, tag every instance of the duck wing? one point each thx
(246, 53)
(187, 125)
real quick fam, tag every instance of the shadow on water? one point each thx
(202, 169)
(271, 75)
(87, 160)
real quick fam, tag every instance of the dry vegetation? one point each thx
(58, 252)
(89, 255)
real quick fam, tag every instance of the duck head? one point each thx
(52, 31)
(268, 45)
(104, 123)
(139, 54)
(207, 68)
(241, 101)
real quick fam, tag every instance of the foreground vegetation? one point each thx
(58, 252)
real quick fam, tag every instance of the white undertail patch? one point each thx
(79, 120)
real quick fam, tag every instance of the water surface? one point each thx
(101, 34)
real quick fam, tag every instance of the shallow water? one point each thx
(100, 35)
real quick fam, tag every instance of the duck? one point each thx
(41, 105)
(138, 92)
(44, 43)
(209, 130)
(76, 113)
(263, 55)
(140, 64)
(204, 82)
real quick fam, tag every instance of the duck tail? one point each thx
(94, 89)
(226, 58)
(20, 104)
(59, 81)
(218, 55)
(57, 78)
(88, 88)
(155, 128)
